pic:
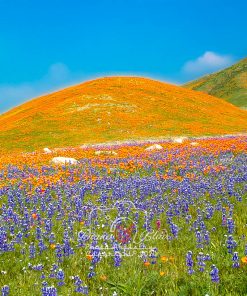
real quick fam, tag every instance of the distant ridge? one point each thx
(229, 84)
(116, 109)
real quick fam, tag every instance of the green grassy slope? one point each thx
(229, 84)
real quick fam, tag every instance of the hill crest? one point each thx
(116, 108)
(229, 84)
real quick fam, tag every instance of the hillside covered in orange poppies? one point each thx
(116, 108)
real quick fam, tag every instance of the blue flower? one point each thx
(214, 274)
(5, 290)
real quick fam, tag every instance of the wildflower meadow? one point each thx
(134, 222)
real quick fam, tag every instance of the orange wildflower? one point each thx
(146, 263)
(244, 259)
(162, 273)
(35, 216)
(89, 257)
(103, 277)
(164, 258)
(52, 246)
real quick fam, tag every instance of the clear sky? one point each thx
(46, 45)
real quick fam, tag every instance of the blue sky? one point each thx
(47, 45)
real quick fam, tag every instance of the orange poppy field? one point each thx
(116, 109)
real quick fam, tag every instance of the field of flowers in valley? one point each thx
(133, 222)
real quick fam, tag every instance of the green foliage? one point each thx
(229, 84)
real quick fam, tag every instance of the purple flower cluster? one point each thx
(176, 192)
(214, 273)
(5, 290)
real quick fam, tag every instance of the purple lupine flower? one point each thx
(67, 249)
(38, 233)
(230, 244)
(235, 260)
(59, 253)
(43, 289)
(53, 271)
(153, 256)
(82, 239)
(214, 273)
(52, 238)
(144, 256)
(190, 262)
(5, 290)
(60, 277)
(207, 237)
(188, 218)
(210, 212)
(91, 272)
(38, 267)
(48, 226)
(174, 230)
(42, 246)
(199, 239)
(230, 225)
(117, 259)
(83, 290)
(79, 288)
(200, 262)
(49, 291)
(95, 252)
(77, 280)
(32, 250)
(224, 220)
(19, 237)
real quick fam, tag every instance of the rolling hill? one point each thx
(116, 108)
(229, 84)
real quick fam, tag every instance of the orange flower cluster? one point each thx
(113, 109)
(129, 158)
